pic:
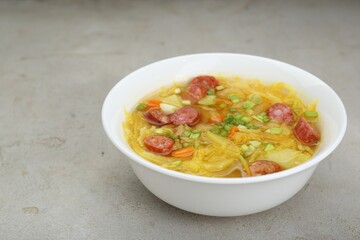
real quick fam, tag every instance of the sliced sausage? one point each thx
(156, 117)
(306, 133)
(263, 167)
(185, 115)
(281, 112)
(161, 145)
(205, 80)
(195, 92)
(199, 86)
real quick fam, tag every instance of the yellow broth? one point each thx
(217, 154)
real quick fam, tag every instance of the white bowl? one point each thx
(222, 196)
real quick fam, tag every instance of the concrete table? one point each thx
(60, 177)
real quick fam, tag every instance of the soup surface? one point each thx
(224, 127)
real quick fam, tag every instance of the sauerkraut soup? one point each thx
(224, 127)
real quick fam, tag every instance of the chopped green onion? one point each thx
(241, 127)
(223, 133)
(185, 144)
(223, 105)
(245, 119)
(255, 143)
(266, 119)
(241, 122)
(215, 130)
(187, 133)
(248, 105)
(176, 163)
(159, 131)
(141, 106)
(261, 118)
(248, 150)
(258, 118)
(269, 147)
(173, 136)
(195, 135)
(255, 98)
(232, 109)
(310, 114)
(186, 102)
(227, 127)
(177, 90)
(208, 100)
(229, 119)
(274, 130)
(249, 126)
(211, 92)
(233, 98)
(221, 87)
(196, 131)
(237, 116)
(244, 147)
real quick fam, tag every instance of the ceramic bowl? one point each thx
(223, 196)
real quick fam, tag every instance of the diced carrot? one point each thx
(153, 103)
(217, 118)
(233, 130)
(183, 152)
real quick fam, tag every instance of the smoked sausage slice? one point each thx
(195, 92)
(306, 133)
(263, 167)
(185, 115)
(161, 145)
(199, 86)
(281, 112)
(207, 81)
(156, 117)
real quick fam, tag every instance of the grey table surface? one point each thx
(61, 178)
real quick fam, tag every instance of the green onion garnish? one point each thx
(245, 119)
(274, 130)
(195, 135)
(223, 133)
(141, 106)
(215, 130)
(261, 118)
(187, 133)
(269, 147)
(159, 131)
(227, 127)
(186, 102)
(233, 98)
(232, 109)
(249, 126)
(255, 98)
(237, 116)
(221, 87)
(211, 92)
(248, 105)
(310, 114)
(255, 143)
(173, 136)
(223, 105)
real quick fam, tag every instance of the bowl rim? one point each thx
(203, 179)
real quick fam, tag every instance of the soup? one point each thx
(224, 127)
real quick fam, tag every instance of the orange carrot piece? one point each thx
(153, 103)
(217, 118)
(233, 130)
(183, 152)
